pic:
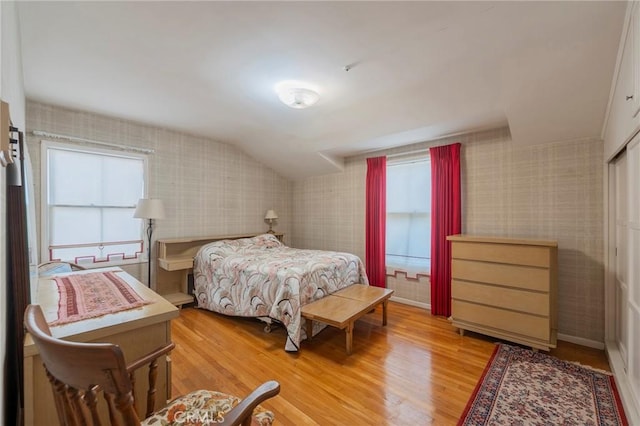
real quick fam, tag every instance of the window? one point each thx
(88, 200)
(408, 239)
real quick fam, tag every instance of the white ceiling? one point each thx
(420, 70)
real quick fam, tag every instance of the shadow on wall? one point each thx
(580, 294)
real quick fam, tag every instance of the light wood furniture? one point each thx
(137, 332)
(342, 308)
(175, 263)
(80, 372)
(505, 288)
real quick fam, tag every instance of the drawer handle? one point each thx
(629, 97)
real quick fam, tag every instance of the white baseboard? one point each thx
(581, 341)
(410, 302)
(631, 406)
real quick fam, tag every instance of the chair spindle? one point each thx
(151, 392)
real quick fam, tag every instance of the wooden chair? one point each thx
(78, 371)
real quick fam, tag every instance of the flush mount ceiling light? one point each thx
(296, 96)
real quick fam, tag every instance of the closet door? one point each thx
(621, 266)
(633, 274)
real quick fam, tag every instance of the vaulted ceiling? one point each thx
(418, 70)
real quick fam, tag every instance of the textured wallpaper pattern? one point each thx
(208, 188)
(547, 191)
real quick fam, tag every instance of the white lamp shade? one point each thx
(271, 215)
(149, 208)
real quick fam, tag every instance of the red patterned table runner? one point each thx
(92, 295)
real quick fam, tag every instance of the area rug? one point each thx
(92, 295)
(522, 387)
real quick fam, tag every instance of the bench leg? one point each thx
(384, 312)
(309, 329)
(349, 332)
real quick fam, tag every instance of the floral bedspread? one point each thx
(261, 277)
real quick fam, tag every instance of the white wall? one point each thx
(11, 91)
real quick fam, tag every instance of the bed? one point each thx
(262, 278)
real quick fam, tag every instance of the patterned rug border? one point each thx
(507, 352)
(474, 394)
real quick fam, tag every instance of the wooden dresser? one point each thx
(505, 288)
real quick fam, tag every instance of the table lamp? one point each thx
(270, 217)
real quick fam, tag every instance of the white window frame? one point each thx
(411, 271)
(44, 199)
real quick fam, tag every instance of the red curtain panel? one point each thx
(445, 221)
(376, 216)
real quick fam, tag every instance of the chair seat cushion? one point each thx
(203, 407)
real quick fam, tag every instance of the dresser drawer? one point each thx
(514, 322)
(515, 254)
(501, 297)
(525, 277)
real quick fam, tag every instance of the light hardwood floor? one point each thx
(415, 371)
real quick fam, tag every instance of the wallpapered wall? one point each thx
(550, 191)
(208, 188)
(547, 191)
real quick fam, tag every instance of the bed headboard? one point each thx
(171, 249)
(175, 262)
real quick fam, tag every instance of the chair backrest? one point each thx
(77, 371)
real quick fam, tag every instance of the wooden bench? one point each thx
(342, 308)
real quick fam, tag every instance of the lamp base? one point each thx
(271, 231)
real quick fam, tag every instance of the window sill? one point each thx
(107, 264)
(410, 272)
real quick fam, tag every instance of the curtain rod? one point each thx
(91, 141)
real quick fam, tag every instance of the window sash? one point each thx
(408, 239)
(87, 211)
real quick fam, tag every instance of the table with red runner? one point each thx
(91, 295)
